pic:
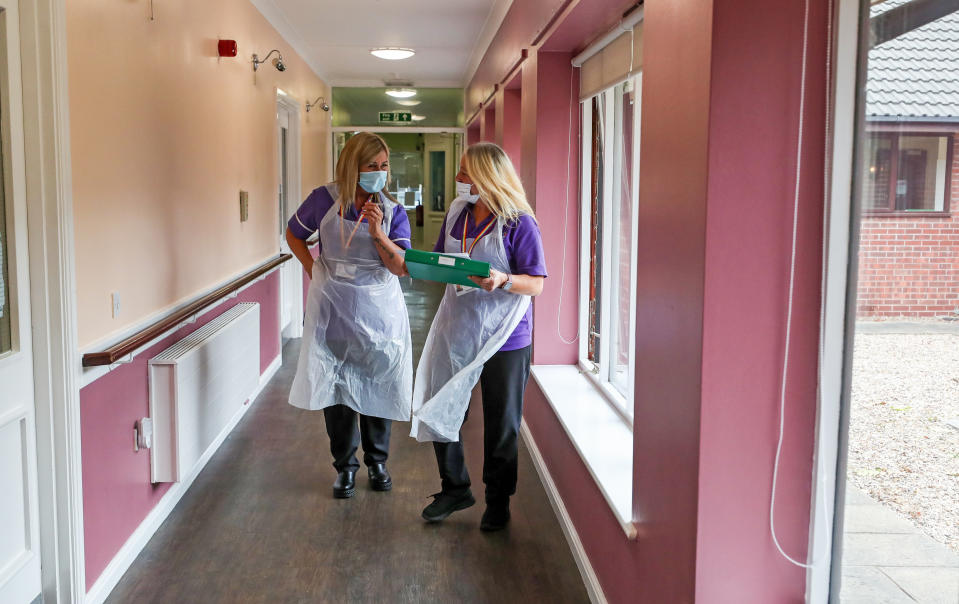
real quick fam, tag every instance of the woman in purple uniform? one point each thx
(481, 334)
(356, 357)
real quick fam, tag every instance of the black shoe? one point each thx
(345, 484)
(445, 504)
(379, 478)
(495, 518)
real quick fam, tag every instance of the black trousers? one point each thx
(502, 383)
(345, 438)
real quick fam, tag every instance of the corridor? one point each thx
(260, 523)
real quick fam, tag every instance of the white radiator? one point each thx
(198, 388)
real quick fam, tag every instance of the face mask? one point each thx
(373, 182)
(463, 192)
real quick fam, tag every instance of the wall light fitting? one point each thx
(319, 102)
(277, 62)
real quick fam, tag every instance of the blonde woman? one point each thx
(481, 334)
(356, 357)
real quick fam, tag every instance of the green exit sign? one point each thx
(396, 117)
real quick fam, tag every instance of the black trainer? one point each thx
(380, 479)
(345, 484)
(445, 504)
(495, 518)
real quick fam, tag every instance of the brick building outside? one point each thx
(909, 243)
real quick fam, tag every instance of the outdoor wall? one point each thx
(164, 136)
(909, 265)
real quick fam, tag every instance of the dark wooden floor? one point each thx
(260, 524)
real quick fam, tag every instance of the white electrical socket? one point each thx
(115, 298)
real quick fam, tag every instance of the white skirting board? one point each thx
(141, 536)
(593, 588)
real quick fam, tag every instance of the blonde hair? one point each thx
(500, 188)
(360, 150)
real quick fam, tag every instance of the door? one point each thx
(438, 188)
(19, 528)
(288, 199)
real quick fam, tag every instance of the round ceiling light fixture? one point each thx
(392, 54)
(419, 118)
(408, 103)
(401, 93)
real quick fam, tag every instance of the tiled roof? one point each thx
(916, 75)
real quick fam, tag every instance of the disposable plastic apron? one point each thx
(356, 347)
(468, 329)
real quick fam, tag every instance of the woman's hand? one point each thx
(374, 215)
(495, 280)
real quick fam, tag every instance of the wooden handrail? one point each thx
(128, 345)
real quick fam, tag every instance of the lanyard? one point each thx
(485, 230)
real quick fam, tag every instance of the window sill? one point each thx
(602, 438)
(910, 214)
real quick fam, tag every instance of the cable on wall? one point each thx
(792, 276)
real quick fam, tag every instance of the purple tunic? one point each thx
(306, 220)
(524, 250)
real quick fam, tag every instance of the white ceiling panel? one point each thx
(335, 37)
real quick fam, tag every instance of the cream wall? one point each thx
(164, 136)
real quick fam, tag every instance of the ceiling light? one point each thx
(401, 93)
(408, 103)
(419, 118)
(393, 54)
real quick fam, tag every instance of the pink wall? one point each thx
(754, 96)
(117, 492)
(509, 124)
(523, 21)
(473, 133)
(547, 144)
(713, 260)
(488, 123)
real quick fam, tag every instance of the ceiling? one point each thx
(335, 37)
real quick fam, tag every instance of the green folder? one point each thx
(445, 268)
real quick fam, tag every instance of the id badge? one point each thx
(462, 290)
(346, 271)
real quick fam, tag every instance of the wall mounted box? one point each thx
(226, 48)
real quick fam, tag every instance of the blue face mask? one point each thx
(373, 182)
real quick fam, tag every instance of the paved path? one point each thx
(887, 560)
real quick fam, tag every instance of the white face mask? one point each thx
(463, 192)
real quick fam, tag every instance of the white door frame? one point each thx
(53, 303)
(828, 478)
(291, 272)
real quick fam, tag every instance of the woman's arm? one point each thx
(527, 285)
(301, 251)
(391, 254)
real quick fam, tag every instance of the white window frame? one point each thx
(599, 374)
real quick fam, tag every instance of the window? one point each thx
(609, 203)
(906, 172)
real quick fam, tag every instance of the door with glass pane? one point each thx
(438, 186)
(19, 529)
